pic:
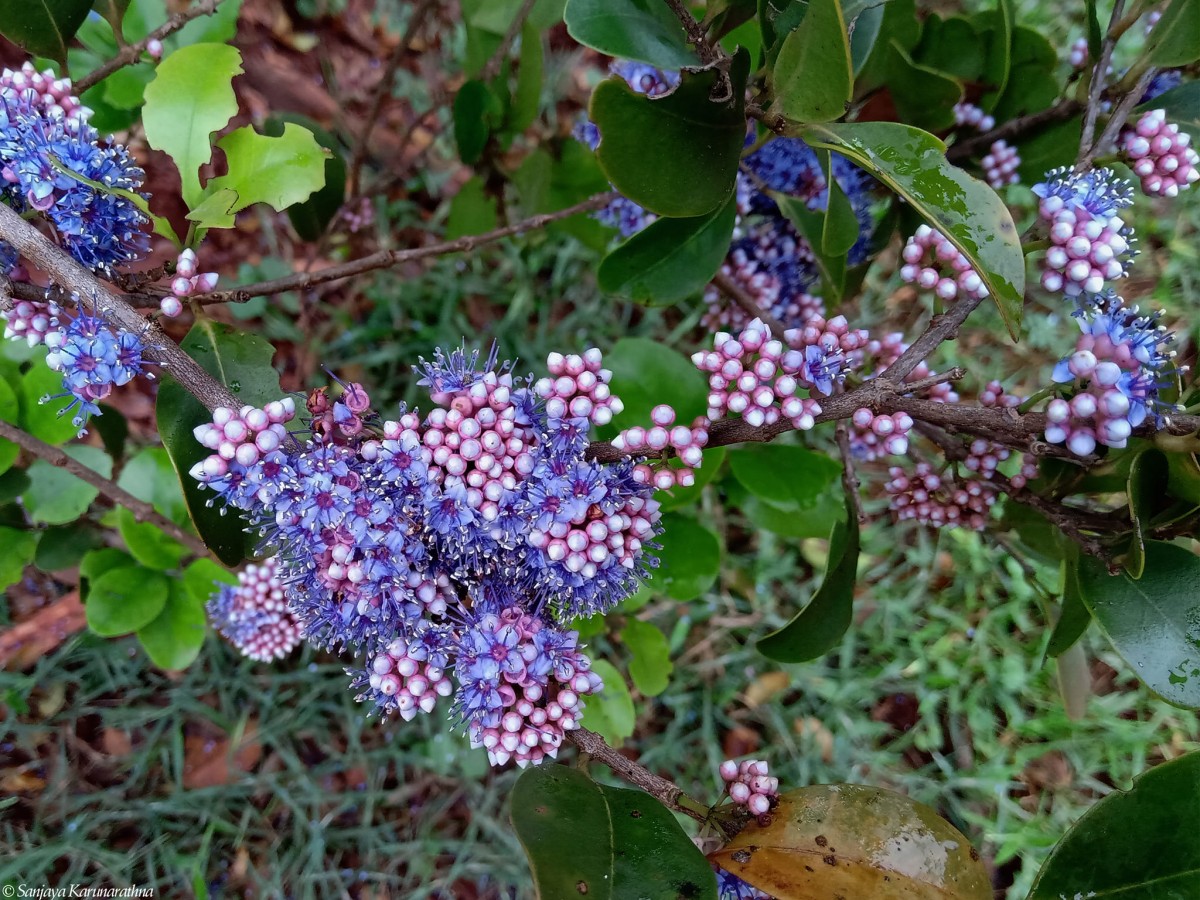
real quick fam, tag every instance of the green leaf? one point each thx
(796, 522)
(701, 138)
(849, 840)
(819, 627)
(46, 420)
(43, 27)
(472, 211)
(609, 713)
(218, 28)
(952, 47)
(202, 577)
(1094, 35)
(1074, 617)
(476, 109)
(311, 217)
(784, 475)
(96, 562)
(126, 599)
(867, 24)
(19, 548)
(1032, 84)
(1182, 104)
(55, 496)
(1140, 844)
(216, 210)
(10, 411)
(585, 839)
(924, 97)
(811, 225)
(1184, 476)
(969, 213)
(527, 97)
(651, 665)
(813, 78)
(671, 259)
(173, 638)
(998, 62)
(1153, 622)
(150, 477)
(645, 374)
(190, 97)
(1148, 478)
(148, 544)
(277, 171)
(242, 362)
(644, 30)
(1175, 39)
(689, 561)
(64, 546)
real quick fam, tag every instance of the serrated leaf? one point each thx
(174, 637)
(850, 840)
(190, 97)
(670, 259)
(585, 839)
(643, 30)
(610, 712)
(969, 213)
(277, 171)
(125, 599)
(55, 496)
(311, 217)
(701, 138)
(650, 668)
(242, 362)
(812, 78)
(43, 27)
(1153, 622)
(1139, 844)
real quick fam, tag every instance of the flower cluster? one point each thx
(933, 263)
(1090, 245)
(970, 114)
(454, 546)
(877, 435)
(750, 785)
(188, 280)
(53, 162)
(253, 614)
(1077, 56)
(687, 443)
(1160, 155)
(1122, 360)
(937, 499)
(1000, 165)
(29, 321)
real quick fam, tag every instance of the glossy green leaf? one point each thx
(1182, 104)
(150, 477)
(147, 543)
(812, 79)
(811, 223)
(43, 27)
(924, 97)
(472, 211)
(784, 475)
(96, 562)
(19, 549)
(10, 411)
(1032, 84)
(64, 546)
(476, 110)
(819, 627)
(644, 30)
(174, 637)
(671, 259)
(1175, 39)
(203, 577)
(650, 668)
(218, 28)
(1049, 149)
(864, 24)
(55, 496)
(701, 138)
(793, 521)
(1094, 35)
(1147, 489)
(998, 62)
(645, 374)
(952, 47)
(277, 171)
(125, 599)
(312, 216)
(853, 841)
(900, 24)
(1154, 621)
(1074, 616)
(1184, 476)
(585, 839)
(689, 561)
(190, 98)
(969, 213)
(1140, 844)
(46, 421)
(609, 712)
(242, 362)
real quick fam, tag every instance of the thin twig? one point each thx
(131, 53)
(1120, 115)
(1095, 89)
(87, 289)
(142, 511)
(383, 90)
(1012, 129)
(386, 259)
(850, 481)
(742, 298)
(941, 328)
(492, 67)
(709, 53)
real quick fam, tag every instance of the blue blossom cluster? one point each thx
(460, 544)
(54, 163)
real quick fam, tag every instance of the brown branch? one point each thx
(850, 483)
(142, 511)
(492, 67)
(941, 328)
(92, 292)
(667, 793)
(131, 53)
(695, 33)
(1120, 114)
(383, 90)
(738, 295)
(386, 259)
(1013, 129)
(1095, 89)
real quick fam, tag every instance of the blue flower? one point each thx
(1099, 192)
